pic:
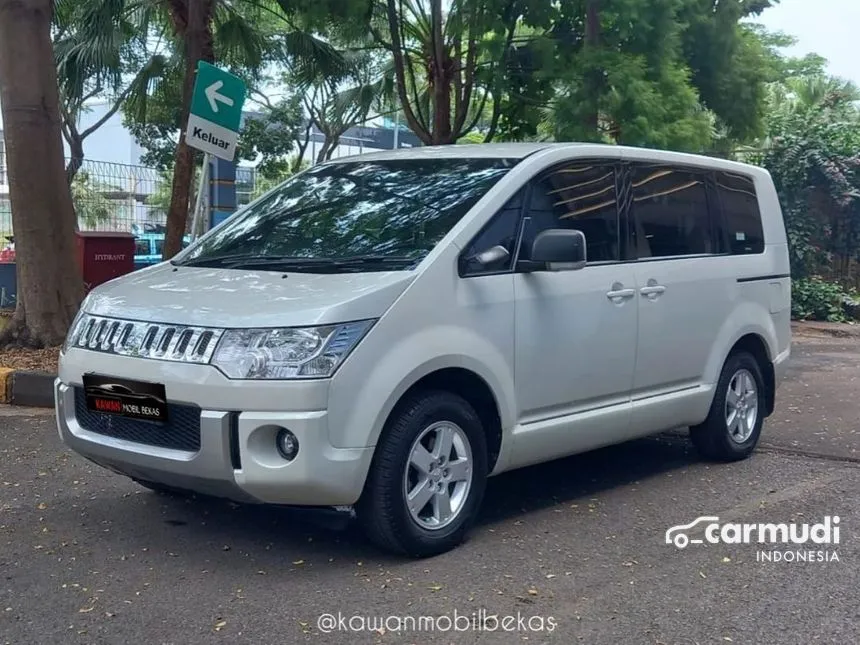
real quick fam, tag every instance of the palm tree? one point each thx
(116, 67)
(336, 103)
(241, 34)
(449, 58)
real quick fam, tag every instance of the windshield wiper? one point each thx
(236, 260)
(376, 260)
(297, 263)
(212, 261)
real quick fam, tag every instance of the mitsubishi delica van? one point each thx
(381, 333)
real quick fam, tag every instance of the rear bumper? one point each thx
(320, 475)
(780, 365)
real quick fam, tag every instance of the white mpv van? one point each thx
(383, 332)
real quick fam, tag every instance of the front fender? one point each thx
(360, 401)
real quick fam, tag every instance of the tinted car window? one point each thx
(141, 247)
(501, 231)
(670, 212)
(390, 209)
(741, 213)
(581, 197)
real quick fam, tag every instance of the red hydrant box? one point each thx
(104, 256)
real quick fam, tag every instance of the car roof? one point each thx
(519, 151)
(471, 150)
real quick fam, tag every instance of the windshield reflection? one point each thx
(352, 213)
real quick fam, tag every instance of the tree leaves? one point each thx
(812, 149)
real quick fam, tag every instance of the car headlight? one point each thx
(287, 353)
(78, 322)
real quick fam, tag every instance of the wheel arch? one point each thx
(471, 387)
(755, 345)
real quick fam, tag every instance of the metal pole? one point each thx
(197, 222)
(396, 129)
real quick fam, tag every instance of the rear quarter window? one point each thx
(741, 214)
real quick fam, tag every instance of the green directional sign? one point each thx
(216, 111)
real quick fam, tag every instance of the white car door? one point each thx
(685, 286)
(576, 330)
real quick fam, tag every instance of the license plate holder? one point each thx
(140, 400)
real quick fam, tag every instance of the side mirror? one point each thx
(492, 255)
(559, 249)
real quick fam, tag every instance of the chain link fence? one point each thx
(113, 197)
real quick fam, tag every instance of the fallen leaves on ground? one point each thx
(39, 360)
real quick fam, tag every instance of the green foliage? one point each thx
(92, 205)
(472, 137)
(271, 137)
(153, 118)
(817, 299)
(248, 36)
(465, 76)
(812, 150)
(159, 200)
(633, 81)
(729, 61)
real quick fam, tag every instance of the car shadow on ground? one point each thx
(584, 476)
(276, 538)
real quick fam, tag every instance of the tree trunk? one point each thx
(50, 288)
(333, 143)
(440, 79)
(302, 144)
(198, 46)
(76, 155)
(593, 75)
(399, 53)
(323, 153)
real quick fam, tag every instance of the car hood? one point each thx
(246, 298)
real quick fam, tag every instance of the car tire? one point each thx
(437, 421)
(725, 436)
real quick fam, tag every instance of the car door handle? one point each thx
(618, 294)
(652, 290)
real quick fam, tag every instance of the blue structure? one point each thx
(222, 191)
(8, 284)
(148, 248)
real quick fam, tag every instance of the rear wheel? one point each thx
(427, 478)
(734, 423)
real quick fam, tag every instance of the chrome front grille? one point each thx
(159, 341)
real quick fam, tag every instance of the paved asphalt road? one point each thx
(577, 546)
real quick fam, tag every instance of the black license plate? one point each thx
(126, 398)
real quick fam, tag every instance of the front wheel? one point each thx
(734, 423)
(427, 478)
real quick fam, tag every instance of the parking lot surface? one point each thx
(567, 552)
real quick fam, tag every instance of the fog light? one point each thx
(287, 444)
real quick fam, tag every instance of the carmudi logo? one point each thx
(709, 530)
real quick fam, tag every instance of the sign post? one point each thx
(213, 122)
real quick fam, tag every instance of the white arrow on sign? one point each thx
(213, 96)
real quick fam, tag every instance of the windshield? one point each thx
(359, 215)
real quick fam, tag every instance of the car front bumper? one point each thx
(236, 459)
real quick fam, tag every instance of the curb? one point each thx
(836, 330)
(27, 388)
